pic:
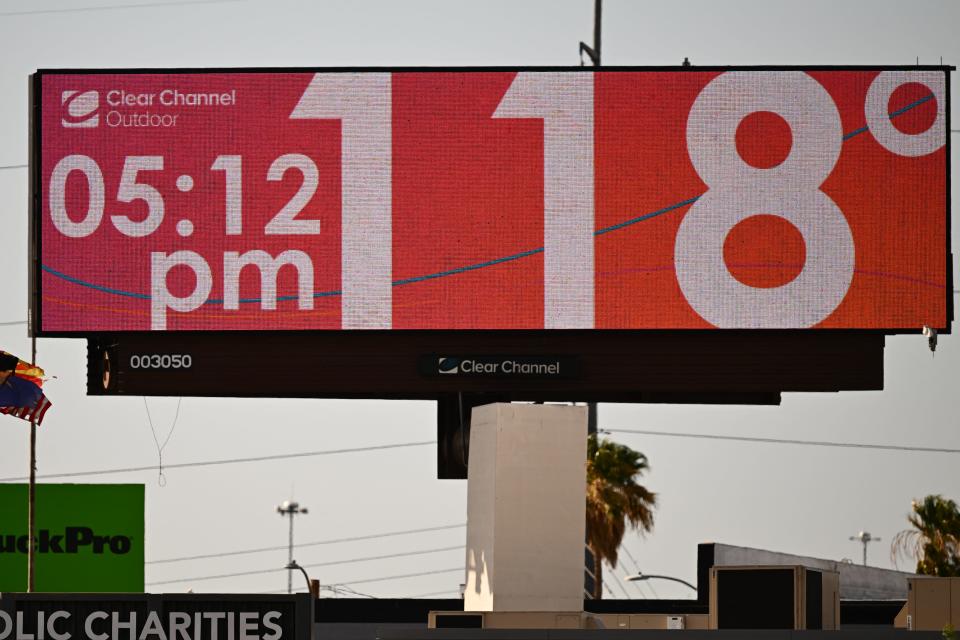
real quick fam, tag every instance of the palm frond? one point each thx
(615, 499)
(934, 541)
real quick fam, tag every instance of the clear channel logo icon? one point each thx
(80, 109)
(448, 366)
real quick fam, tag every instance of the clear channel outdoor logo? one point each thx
(81, 109)
(502, 366)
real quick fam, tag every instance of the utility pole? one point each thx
(591, 562)
(594, 51)
(866, 539)
(290, 508)
(594, 54)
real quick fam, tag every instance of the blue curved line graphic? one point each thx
(90, 285)
(469, 267)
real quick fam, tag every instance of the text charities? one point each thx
(114, 625)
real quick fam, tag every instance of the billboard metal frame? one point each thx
(468, 335)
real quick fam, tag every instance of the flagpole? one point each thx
(32, 487)
(32, 301)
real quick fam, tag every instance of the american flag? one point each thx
(29, 413)
(20, 393)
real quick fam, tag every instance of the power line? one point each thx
(12, 166)
(404, 575)
(15, 322)
(307, 566)
(654, 590)
(432, 593)
(636, 566)
(142, 5)
(336, 589)
(403, 554)
(236, 574)
(639, 572)
(809, 443)
(617, 581)
(206, 463)
(374, 536)
(295, 590)
(340, 588)
(609, 591)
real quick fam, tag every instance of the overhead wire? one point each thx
(342, 588)
(403, 554)
(113, 7)
(431, 594)
(636, 566)
(238, 574)
(808, 443)
(666, 434)
(300, 545)
(402, 576)
(161, 479)
(207, 463)
(618, 581)
(609, 591)
(654, 590)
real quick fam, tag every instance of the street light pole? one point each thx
(647, 576)
(290, 508)
(866, 539)
(313, 586)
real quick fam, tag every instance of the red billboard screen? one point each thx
(492, 199)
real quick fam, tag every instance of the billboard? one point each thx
(89, 538)
(434, 199)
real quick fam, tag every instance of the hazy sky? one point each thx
(795, 499)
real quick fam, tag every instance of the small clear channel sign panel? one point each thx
(492, 199)
(499, 366)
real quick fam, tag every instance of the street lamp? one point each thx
(290, 508)
(866, 539)
(292, 565)
(647, 576)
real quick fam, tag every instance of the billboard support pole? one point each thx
(32, 488)
(597, 10)
(590, 567)
(594, 54)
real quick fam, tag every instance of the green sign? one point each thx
(89, 538)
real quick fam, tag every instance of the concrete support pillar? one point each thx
(526, 496)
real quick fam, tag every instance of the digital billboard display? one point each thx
(695, 198)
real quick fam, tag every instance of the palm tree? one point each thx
(935, 539)
(614, 500)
